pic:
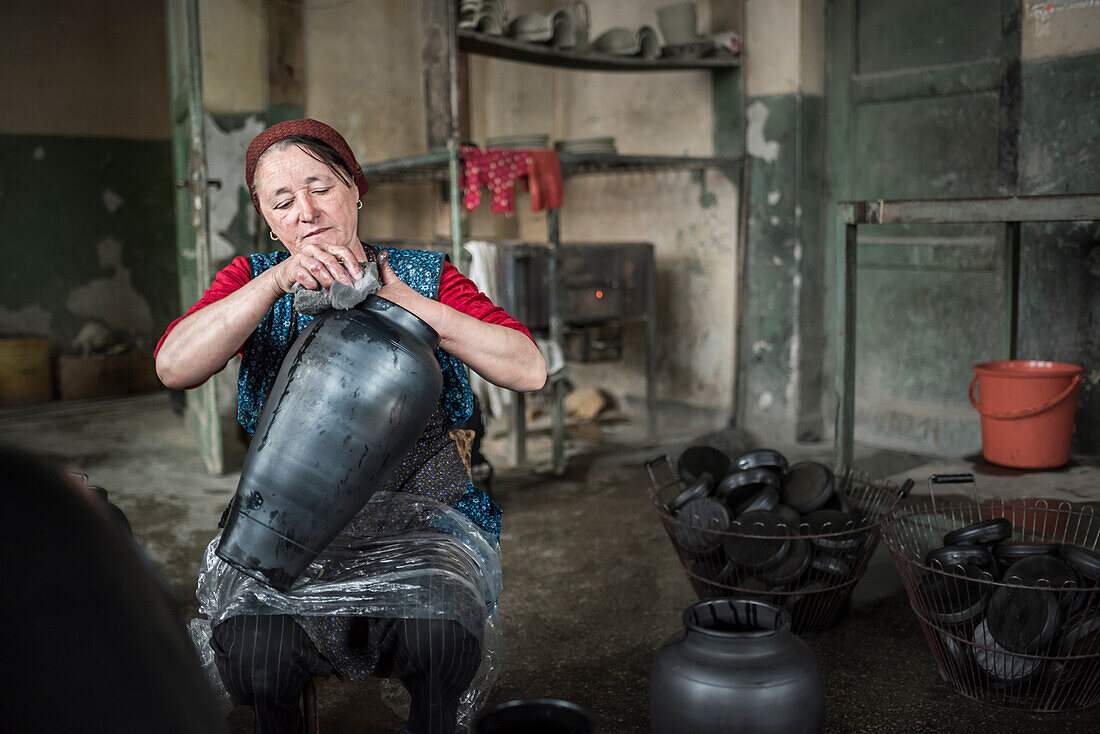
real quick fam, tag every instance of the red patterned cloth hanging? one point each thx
(497, 170)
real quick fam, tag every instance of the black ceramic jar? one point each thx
(352, 397)
(736, 668)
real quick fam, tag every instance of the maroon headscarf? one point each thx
(312, 128)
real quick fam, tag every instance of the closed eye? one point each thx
(282, 205)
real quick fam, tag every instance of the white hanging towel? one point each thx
(483, 267)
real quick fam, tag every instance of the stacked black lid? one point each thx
(1019, 602)
(761, 523)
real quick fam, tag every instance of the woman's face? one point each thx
(304, 201)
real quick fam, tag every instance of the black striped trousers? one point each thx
(265, 661)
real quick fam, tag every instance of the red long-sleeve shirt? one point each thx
(455, 290)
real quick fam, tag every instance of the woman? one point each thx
(307, 185)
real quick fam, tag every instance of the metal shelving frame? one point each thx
(1010, 211)
(443, 43)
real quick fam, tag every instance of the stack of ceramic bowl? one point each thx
(587, 146)
(682, 41)
(519, 142)
(484, 16)
(1010, 604)
(783, 533)
(620, 41)
(564, 29)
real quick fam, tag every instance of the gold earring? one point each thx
(360, 203)
(271, 234)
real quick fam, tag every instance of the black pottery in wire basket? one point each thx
(1011, 605)
(743, 536)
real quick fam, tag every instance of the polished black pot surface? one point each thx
(352, 397)
(736, 668)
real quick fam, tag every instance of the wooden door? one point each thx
(192, 224)
(923, 104)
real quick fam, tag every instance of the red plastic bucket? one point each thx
(1027, 411)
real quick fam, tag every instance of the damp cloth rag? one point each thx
(338, 296)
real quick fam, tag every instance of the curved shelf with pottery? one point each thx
(501, 47)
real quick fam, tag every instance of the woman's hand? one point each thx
(503, 356)
(394, 289)
(318, 266)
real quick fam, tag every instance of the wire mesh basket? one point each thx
(1020, 625)
(809, 569)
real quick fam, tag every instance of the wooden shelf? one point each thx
(534, 53)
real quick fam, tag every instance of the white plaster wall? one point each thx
(811, 48)
(784, 47)
(364, 77)
(695, 247)
(233, 40)
(1060, 28)
(225, 159)
(772, 42)
(375, 96)
(95, 68)
(112, 299)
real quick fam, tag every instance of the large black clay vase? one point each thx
(736, 668)
(352, 397)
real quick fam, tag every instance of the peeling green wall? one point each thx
(783, 327)
(86, 217)
(1060, 262)
(930, 298)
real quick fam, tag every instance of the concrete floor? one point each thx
(592, 586)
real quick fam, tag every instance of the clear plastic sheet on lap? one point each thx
(403, 556)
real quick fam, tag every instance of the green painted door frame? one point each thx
(922, 102)
(192, 221)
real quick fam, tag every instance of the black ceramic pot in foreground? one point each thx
(352, 397)
(736, 668)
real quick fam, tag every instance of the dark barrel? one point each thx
(352, 397)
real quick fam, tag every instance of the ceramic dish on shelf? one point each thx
(682, 39)
(555, 29)
(606, 141)
(486, 23)
(621, 41)
(677, 23)
(581, 146)
(563, 29)
(518, 142)
(484, 16)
